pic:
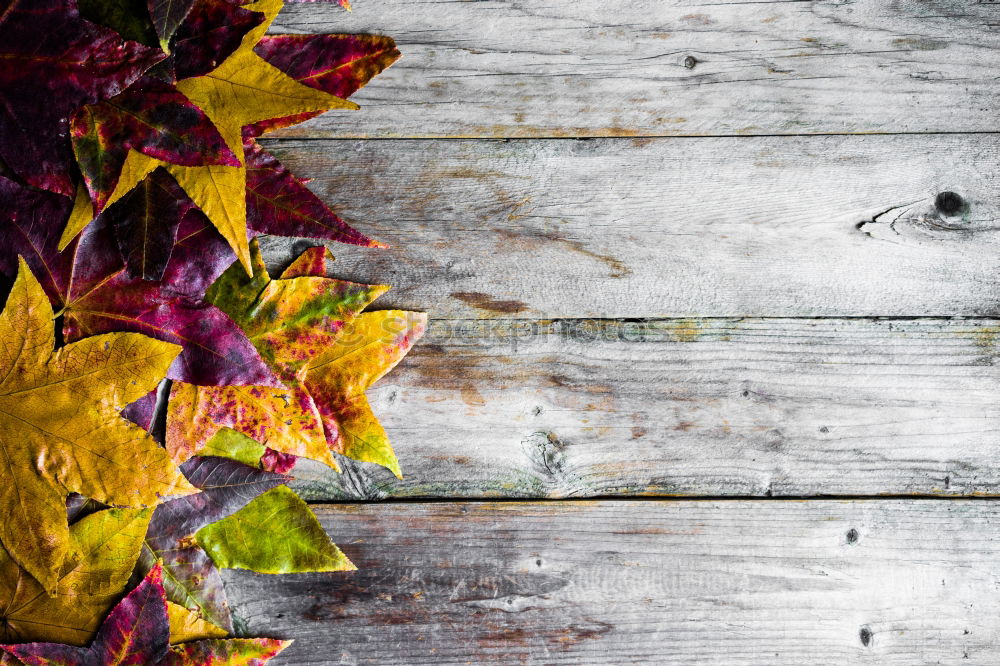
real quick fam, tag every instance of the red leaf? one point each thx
(278, 203)
(51, 63)
(337, 64)
(151, 117)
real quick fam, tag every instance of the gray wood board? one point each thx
(644, 582)
(505, 68)
(609, 228)
(753, 407)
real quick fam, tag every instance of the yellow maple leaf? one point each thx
(61, 431)
(186, 625)
(103, 548)
(243, 89)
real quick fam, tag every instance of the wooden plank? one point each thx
(753, 226)
(666, 582)
(698, 407)
(497, 68)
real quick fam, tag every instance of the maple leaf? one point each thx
(307, 328)
(103, 548)
(129, 18)
(338, 64)
(186, 625)
(192, 579)
(52, 62)
(62, 433)
(137, 631)
(209, 33)
(275, 533)
(245, 518)
(278, 203)
(90, 286)
(242, 90)
(151, 117)
(145, 223)
(167, 16)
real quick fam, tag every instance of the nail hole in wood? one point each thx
(690, 62)
(865, 635)
(852, 535)
(949, 203)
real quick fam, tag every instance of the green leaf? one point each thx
(285, 534)
(228, 443)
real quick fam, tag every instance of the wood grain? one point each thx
(753, 226)
(643, 582)
(686, 407)
(507, 68)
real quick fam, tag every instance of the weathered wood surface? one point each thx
(687, 407)
(751, 226)
(782, 583)
(506, 68)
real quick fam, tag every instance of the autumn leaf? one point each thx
(145, 223)
(137, 631)
(210, 32)
(52, 62)
(338, 64)
(192, 580)
(102, 551)
(307, 328)
(278, 203)
(242, 90)
(90, 286)
(129, 18)
(186, 625)
(275, 533)
(167, 16)
(62, 433)
(151, 117)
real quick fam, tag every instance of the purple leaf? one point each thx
(151, 117)
(51, 63)
(89, 285)
(278, 203)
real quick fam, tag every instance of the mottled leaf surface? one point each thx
(129, 18)
(191, 579)
(102, 552)
(232, 652)
(309, 330)
(211, 31)
(89, 284)
(60, 428)
(52, 62)
(337, 64)
(137, 632)
(276, 533)
(151, 117)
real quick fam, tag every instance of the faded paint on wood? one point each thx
(686, 407)
(761, 226)
(783, 583)
(503, 68)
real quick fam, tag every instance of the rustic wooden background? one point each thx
(711, 376)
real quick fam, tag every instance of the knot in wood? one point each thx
(949, 203)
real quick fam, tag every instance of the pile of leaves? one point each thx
(133, 191)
